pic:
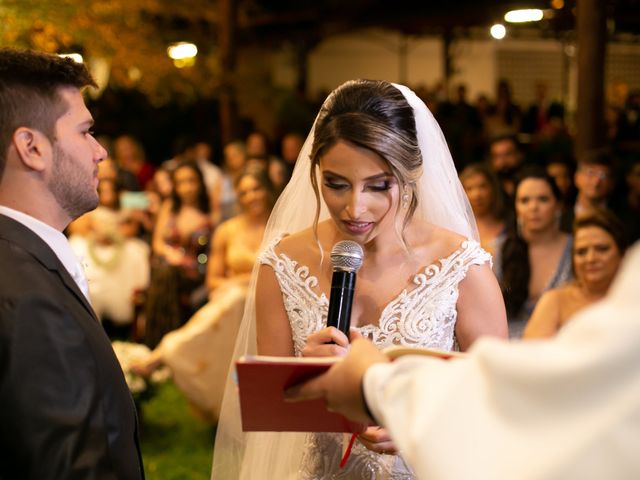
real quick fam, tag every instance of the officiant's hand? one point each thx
(341, 386)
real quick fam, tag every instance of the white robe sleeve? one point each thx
(566, 408)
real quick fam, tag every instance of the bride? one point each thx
(374, 169)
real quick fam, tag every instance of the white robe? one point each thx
(565, 408)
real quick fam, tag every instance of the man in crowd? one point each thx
(505, 158)
(594, 182)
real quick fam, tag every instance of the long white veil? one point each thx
(441, 201)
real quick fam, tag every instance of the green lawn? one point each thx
(176, 445)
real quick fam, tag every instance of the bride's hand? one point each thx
(377, 440)
(328, 342)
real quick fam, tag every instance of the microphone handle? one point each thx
(343, 285)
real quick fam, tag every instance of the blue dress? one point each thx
(561, 275)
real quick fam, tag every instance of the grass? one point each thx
(175, 443)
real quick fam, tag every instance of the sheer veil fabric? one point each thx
(441, 201)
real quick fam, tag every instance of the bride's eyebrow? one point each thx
(378, 176)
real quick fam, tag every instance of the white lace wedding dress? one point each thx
(424, 314)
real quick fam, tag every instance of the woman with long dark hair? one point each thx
(180, 249)
(536, 254)
(488, 203)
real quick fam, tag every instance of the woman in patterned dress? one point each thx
(198, 353)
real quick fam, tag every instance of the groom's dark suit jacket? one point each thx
(65, 409)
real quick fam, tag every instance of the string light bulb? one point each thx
(498, 31)
(183, 54)
(524, 15)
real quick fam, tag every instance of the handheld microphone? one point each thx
(346, 259)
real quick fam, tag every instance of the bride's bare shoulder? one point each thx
(302, 245)
(436, 239)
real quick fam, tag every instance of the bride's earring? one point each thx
(405, 197)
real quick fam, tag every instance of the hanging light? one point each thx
(183, 54)
(182, 50)
(524, 15)
(498, 31)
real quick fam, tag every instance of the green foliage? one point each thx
(176, 445)
(131, 37)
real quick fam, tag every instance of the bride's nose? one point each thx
(356, 205)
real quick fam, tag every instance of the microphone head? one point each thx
(347, 256)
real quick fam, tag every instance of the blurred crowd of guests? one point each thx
(556, 225)
(169, 251)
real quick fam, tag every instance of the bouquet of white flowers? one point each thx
(127, 354)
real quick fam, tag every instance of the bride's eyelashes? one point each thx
(335, 185)
(379, 186)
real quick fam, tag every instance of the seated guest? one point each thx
(234, 161)
(594, 181)
(487, 201)
(179, 254)
(290, 145)
(505, 158)
(562, 169)
(117, 268)
(599, 244)
(129, 155)
(198, 353)
(629, 211)
(536, 254)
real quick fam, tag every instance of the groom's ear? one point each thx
(32, 149)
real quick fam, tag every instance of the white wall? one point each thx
(372, 54)
(424, 61)
(389, 55)
(475, 66)
(418, 62)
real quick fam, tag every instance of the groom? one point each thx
(65, 409)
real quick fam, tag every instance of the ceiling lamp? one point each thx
(182, 50)
(183, 54)
(498, 31)
(524, 15)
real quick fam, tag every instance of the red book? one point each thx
(262, 381)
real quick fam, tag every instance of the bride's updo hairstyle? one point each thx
(374, 115)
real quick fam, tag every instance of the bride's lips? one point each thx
(357, 228)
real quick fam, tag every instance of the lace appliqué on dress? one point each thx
(424, 314)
